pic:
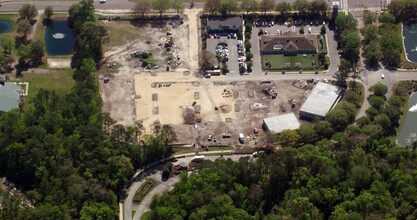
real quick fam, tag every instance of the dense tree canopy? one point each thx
(70, 159)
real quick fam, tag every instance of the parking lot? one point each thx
(232, 62)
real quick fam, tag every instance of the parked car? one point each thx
(241, 138)
(102, 1)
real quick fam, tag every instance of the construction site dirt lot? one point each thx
(119, 67)
(197, 108)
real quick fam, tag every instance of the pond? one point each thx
(408, 132)
(59, 38)
(410, 43)
(5, 27)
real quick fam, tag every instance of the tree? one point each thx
(323, 129)
(212, 6)
(318, 7)
(87, 68)
(307, 133)
(227, 6)
(143, 6)
(206, 60)
(391, 45)
(377, 102)
(372, 53)
(266, 5)
(345, 23)
(284, 8)
(7, 44)
(178, 6)
(249, 5)
(49, 12)
(302, 6)
(36, 50)
(370, 33)
(379, 89)
(339, 118)
(81, 13)
(396, 7)
(24, 28)
(88, 44)
(249, 56)
(369, 17)
(386, 18)
(350, 46)
(28, 11)
(343, 72)
(289, 138)
(161, 6)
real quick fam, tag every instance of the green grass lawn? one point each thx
(183, 150)
(145, 216)
(119, 31)
(58, 80)
(281, 62)
(298, 62)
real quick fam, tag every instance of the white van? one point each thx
(241, 138)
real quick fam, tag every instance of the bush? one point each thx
(323, 30)
(248, 45)
(242, 69)
(261, 32)
(247, 35)
(144, 189)
(225, 69)
(301, 30)
(249, 56)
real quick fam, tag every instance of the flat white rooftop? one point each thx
(281, 122)
(321, 100)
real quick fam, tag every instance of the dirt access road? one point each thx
(193, 37)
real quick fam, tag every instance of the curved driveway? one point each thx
(163, 186)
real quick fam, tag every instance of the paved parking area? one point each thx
(356, 7)
(233, 56)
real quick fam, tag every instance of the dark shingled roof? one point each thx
(218, 22)
(289, 41)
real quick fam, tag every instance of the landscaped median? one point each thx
(144, 189)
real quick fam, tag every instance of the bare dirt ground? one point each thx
(59, 62)
(181, 101)
(119, 94)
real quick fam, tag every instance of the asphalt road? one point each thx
(162, 186)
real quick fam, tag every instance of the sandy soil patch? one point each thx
(198, 108)
(59, 62)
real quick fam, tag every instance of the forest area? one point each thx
(71, 160)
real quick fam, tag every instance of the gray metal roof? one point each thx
(281, 122)
(321, 99)
(9, 97)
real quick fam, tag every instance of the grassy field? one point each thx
(183, 150)
(118, 32)
(281, 62)
(145, 216)
(12, 18)
(58, 80)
